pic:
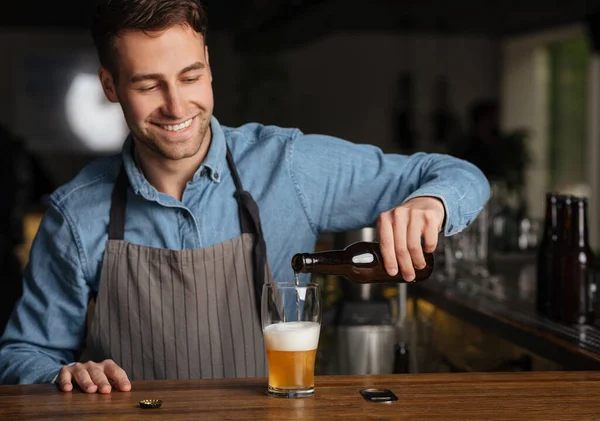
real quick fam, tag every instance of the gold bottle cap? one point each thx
(150, 403)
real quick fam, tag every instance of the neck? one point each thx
(166, 175)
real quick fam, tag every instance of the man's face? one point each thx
(164, 88)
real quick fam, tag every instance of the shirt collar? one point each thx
(216, 157)
(213, 162)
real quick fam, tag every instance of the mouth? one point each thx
(179, 127)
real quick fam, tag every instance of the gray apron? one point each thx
(181, 314)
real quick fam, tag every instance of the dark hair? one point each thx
(113, 17)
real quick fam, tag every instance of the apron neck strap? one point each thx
(116, 224)
(250, 222)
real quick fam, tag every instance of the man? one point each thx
(166, 238)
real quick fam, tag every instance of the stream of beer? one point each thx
(297, 284)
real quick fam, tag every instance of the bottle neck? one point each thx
(551, 219)
(325, 262)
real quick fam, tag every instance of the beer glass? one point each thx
(291, 322)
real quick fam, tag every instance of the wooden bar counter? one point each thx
(447, 396)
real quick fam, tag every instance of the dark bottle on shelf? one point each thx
(565, 240)
(360, 262)
(401, 358)
(577, 279)
(547, 254)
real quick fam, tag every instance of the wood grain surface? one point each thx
(447, 396)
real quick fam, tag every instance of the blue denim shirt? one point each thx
(305, 185)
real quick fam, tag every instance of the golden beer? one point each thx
(291, 369)
(291, 350)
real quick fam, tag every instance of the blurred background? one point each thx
(511, 86)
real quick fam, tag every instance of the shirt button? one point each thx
(216, 175)
(203, 172)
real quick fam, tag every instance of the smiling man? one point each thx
(164, 84)
(149, 264)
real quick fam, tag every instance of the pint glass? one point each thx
(291, 322)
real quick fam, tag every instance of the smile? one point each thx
(176, 127)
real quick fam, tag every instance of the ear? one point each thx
(207, 61)
(108, 85)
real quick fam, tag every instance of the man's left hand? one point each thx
(400, 231)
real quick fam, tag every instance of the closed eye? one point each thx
(147, 88)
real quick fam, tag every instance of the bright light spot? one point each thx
(98, 123)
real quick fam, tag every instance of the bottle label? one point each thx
(363, 258)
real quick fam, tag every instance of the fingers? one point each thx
(413, 243)
(117, 375)
(401, 242)
(386, 243)
(430, 237)
(82, 377)
(65, 380)
(99, 379)
(93, 377)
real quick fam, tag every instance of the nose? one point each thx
(174, 103)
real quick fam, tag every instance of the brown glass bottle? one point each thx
(578, 270)
(360, 262)
(547, 254)
(565, 240)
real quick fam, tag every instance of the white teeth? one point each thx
(177, 127)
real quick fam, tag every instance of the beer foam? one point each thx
(292, 336)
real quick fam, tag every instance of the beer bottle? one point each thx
(547, 254)
(565, 221)
(401, 359)
(578, 269)
(360, 262)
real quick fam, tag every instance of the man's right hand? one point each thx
(93, 377)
